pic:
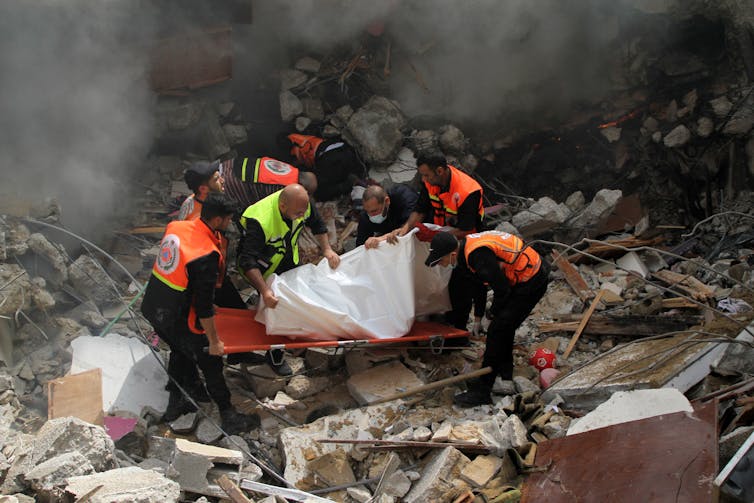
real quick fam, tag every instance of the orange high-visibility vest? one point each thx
(195, 214)
(518, 263)
(184, 242)
(446, 204)
(305, 148)
(269, 171)
(195, 206)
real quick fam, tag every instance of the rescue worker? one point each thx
(333, 161)
(251, 180)
(201, 178)
(178, 302)
(270, 241)
(451, 198)
(384, 211)
(518, 277)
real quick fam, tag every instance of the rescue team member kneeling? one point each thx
(270, 243)
(178, 302)
(517, 275)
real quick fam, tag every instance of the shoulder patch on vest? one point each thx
(168, 258)
(277, 167)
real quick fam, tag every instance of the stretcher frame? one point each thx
(241, 333)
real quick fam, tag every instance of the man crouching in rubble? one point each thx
(518, 277)
(178, 302)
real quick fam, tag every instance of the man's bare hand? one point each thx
(333, 259)
(371, 243)
(392, 237)
(217, 348)
(269, 299)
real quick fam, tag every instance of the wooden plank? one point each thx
(687, 283)
(582, 324)
(77, 395)
(631, 326)
(572, 276)
(679, 303)
(610, 248)
(155, 229)
(233, 492)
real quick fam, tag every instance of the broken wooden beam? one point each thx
(582, 324)
(686, 283)
(630, 326)
(232, 490)
(387, 444)
(572, 276)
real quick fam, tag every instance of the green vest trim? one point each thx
(276, 231)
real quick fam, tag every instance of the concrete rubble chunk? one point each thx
(625, 406)
(678, 137)
(308, 64)
(721, 106)
(235, 134)
(333, 468)
(302, 386)
(523, 385)
(375, 130)
(207, 432)
(54, 256)
(291, 78)
(381, 381)
(403, 170)
(397, 484)
(197, 464)
(302, 123)
(742, 119)
(437, 476)
(54, 438)
(515, 432)
(290, 106)
(611, 134)
(603, 203)
(359, 494)
(544, 210)
(481, 470)
(185, 424)
(442, 434)
(452, 140)
(632, 262)
(313, 109)
(89, 279)
(49, 477)
(17, 283)
(125, 485)
(422, 434)
(704, 127)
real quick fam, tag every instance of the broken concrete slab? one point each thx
(185, 424)
(132, 378)
(301, 386)
(442, 468)
(381, 382)
(632, 262)
(125, 485)
(625, 406)
(48, 478)
(481, 470)
(198, 464)
(628, 367)
(333, 469)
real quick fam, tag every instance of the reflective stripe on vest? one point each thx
(184, 242)
(270, 171)
(276, 231)
(305, 148)
(447, 203)
(518, 263)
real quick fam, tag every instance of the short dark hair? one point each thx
(218, 204)
(433, 161)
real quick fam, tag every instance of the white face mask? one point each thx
(378, 219)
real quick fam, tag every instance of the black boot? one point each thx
(234, 423)
(177, 406)
(275, 358)
(479, 395)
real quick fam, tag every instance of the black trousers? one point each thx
(188, 356)
(464, 290)
(332, 169)
(498, 352)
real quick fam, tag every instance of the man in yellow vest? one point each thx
(517, 275)
(270, 241)
(451, 198)
(179, 303)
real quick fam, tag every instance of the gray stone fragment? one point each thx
(207, 432)
(301, 386)
(523, 385)
(211, 137)
(235, 134)
(424, 141)
(437, 477)
(89, 279)
(359, 494)
(308, 64)
(375, 130)
(185, 424)
(49, 477)
(576, 201)
(313, 109)
(291, 78)
(704, 127)
(452, 141)
(52, 254)
(290, 106)
(302, 123)
(125, 485)
(721, 106)
(678, 137)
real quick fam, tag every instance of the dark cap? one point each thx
(199, 173)
(442, 244)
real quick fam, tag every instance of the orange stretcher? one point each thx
(240, 333)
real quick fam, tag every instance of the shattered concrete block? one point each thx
(90, 280)
(381, 381)
(56, 437)
(263, 380)
(441, 469)
(207, 432)
(397, 484)
(291, 78)
(125, 485)
(49, 477)
(603, 203)
(333, 468)
(185, 424)
(235, 134)
(679, 136)
(632, 262)
(524, 385)
(161, 448)
(290, 106)
(375, 130)
(481, 470)
(443, 432)
(515, 432)
(54, 256)
(422, 434)
(197, 464)
(301, 386)
(324, 358)
(625, 406)
(359, 494)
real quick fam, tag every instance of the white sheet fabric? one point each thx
(373, 293)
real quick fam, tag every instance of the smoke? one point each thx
(482, 61)
(75, 108)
